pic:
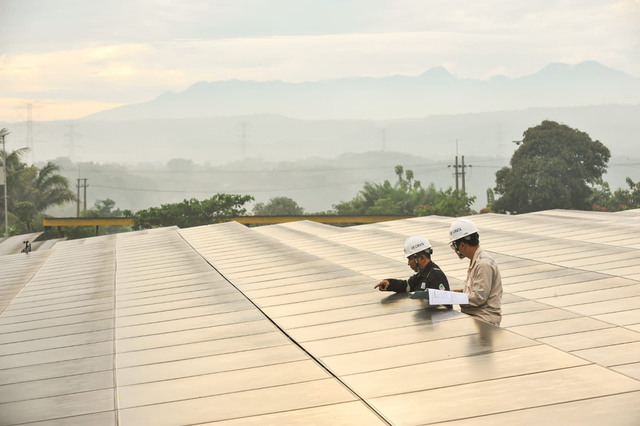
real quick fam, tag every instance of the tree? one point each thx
(490, 200)
(192, 212)
(399, 171)
(31, 191)
(278, 206)
(405, 198)
(446, 203)
(104, 208)
(556, 167)
(603, 200)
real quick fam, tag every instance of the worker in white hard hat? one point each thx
(483, 284)
(417, 251)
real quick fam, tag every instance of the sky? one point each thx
(76, 57)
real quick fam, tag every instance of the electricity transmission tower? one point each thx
(384, 139)
(29, 107)
(72, 141)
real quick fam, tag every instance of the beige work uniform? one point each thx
(484, 287)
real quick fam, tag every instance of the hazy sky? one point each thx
(76, 57)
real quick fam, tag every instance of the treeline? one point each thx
(555, 167)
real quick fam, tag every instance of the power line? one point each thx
(360, 182)
(417, 166)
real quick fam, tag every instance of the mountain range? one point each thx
(436, 91)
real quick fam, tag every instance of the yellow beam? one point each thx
(255, 220)
(86, 221)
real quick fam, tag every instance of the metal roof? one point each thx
(280, 324)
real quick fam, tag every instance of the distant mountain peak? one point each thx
(555, 67)
(582, 69)
(437, 72)
(498, 78)
(167, 95)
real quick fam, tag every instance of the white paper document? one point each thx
(442, 297)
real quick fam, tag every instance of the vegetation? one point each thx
(105, 208)
(31, 191)
(406, 197)
(278, 206)
(556, 167)
(603, 199)
(192, 212)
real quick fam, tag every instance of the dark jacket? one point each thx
(431, 277)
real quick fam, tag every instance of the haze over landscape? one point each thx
(208, 209)
(158, 102)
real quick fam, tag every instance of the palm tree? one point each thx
(32, 191)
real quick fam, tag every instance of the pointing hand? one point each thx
(382, 285)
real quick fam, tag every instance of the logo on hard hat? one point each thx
(417, 245)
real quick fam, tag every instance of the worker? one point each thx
(483, 284)
(417, 251)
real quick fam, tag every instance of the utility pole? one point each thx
(463, 173)
(460, 171)
(464, 191)
(456, 168)
(78, 198)
(457, 173)
(85, 189)
(84, 185)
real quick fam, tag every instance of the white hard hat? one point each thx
(460, 229)
(416, 244)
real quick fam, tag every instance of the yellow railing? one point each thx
(87, 221)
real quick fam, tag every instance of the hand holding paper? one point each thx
(442, 297)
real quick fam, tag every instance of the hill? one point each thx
(436, 91)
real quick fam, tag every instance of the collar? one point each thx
(476, 256)
(427, 268)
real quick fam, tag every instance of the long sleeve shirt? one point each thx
(484, 288)
(430, 277)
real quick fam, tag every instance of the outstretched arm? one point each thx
(399, 286)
